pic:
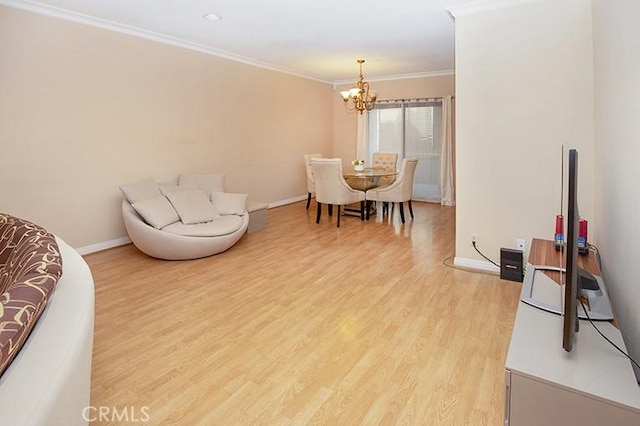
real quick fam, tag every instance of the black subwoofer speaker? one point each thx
(511, 267)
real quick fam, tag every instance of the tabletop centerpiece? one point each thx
(358, 165)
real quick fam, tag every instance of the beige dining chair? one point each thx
(311, 182)
(399, 191)
(332, 189)
(388, 161)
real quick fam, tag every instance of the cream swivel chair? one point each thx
(385, 160)
(399, 191)
(332, 189)
(311, 182)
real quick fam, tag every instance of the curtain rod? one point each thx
(431, 99)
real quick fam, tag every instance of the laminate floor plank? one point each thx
(305, 323)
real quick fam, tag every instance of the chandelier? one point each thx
(362, 98)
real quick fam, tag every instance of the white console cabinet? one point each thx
(544, 385)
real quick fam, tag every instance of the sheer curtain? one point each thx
(447, 155)
(362, 152)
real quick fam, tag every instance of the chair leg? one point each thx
(338, 221)
(308, 200)
(401, 211)
(368, 209)
(330, 209)
(362, 203)
(318, 211)
(410, 209)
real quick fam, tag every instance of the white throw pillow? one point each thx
(207, 182)
(229, 203)
(142, 190)
(157, 211)
(193, 206)
(169, 188)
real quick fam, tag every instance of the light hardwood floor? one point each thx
(305, 324)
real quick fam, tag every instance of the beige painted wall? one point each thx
(83, 110)
(617, 102)
(524, 87)
(345, 123)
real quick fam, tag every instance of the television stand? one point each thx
(542, 291)
(544, 385)
(588, 282)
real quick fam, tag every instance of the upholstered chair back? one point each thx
(331, 187)
(385, 160)
(406, 175)
(400, 190)
(311, 182)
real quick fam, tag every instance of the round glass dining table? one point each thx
(368, 178)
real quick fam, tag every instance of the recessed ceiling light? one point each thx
(212, 17)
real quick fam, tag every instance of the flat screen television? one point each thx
(538, 292)
(570, 322)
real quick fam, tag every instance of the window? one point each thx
(412, 129)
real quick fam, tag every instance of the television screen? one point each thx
(570, 322)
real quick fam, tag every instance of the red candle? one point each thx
(559, 224)
(583, 229)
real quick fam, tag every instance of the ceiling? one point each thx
(318, 39)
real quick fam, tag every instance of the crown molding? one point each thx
(399, 77)
(81, 18)
(481, 6)
(92, 21)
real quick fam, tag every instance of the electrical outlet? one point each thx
(521, 245)
(474, 238)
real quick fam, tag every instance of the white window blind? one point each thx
(412, 129)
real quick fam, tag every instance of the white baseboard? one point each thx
(475, 264)
(103, 245)
(92, 248)
(287, 201)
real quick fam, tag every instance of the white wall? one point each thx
(524, 87)
(617, 105)
(84, 110)
(528, 79)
